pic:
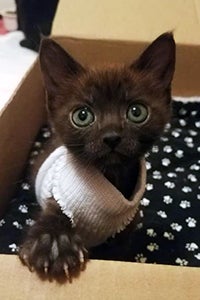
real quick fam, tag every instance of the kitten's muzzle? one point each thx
(112, 139)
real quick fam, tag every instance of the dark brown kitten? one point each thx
(108, 118)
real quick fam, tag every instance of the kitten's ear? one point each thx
(56, 65)
(159, 59)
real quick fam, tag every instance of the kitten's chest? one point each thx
(124, 178)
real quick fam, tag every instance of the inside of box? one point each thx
(20, 121)
(163, 236)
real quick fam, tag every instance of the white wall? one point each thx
(7, 4)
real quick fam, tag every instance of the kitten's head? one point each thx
(111, 115)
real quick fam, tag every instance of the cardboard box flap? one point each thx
(102, 280)
(138, 22)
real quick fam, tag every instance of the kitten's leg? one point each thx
(52, 247)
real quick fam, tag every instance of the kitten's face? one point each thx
(109, 116)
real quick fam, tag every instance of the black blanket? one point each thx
(169, 229)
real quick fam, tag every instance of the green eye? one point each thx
(82, 117)
(137, 113)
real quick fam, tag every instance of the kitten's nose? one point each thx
(112, 139)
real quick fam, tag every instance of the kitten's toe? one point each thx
(59, 257)
(72, 257)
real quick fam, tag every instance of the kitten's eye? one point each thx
(82, 117)
(137, 113)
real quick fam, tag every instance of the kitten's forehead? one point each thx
(117, 84)
(110, 83)
(113, 78)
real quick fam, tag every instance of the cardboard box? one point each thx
(102, 31)
(105, 280)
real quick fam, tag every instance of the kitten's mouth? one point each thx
(114, 158)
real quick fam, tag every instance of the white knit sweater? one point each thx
(93, 204)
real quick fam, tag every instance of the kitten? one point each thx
(107, 117)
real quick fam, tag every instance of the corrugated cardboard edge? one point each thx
(102, 280)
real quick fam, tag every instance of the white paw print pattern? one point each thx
(153, 247)
(2, 222)
(139, 225)
(168, 235)
(140, 258)
(166, 162)
(186, 189)
(34, 153)
(181, 262)
(17, 225)
(162, 214)
(147, 154)
(157, 175)
(182, 112)
(151, 232)
(172, 175)
(197, 124)
(180, 169)
(177, 227)
(167, 199)
(197, 256)
(175, 133)
(194, 113)
(192, 178)
(167, 127)
(25, 186)
(148, 165)
(195, 167)
(141, 213)
(47, 134)
(145, 202)
(155, 149)
(179, 153)
(185, 204)
(198, 196)
(29, 222)
(189, 142)
(167, 149)
(14, 248)
(170, 184)
(191, 246)
(192, 132)
(31, 162)
(164, 139)
(149, 187)
(37, 144)
(191, 222)
(23, 208)
(190, 145)
(182, 122)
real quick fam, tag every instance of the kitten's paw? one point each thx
(60, 257)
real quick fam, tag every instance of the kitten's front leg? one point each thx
(52, 247)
